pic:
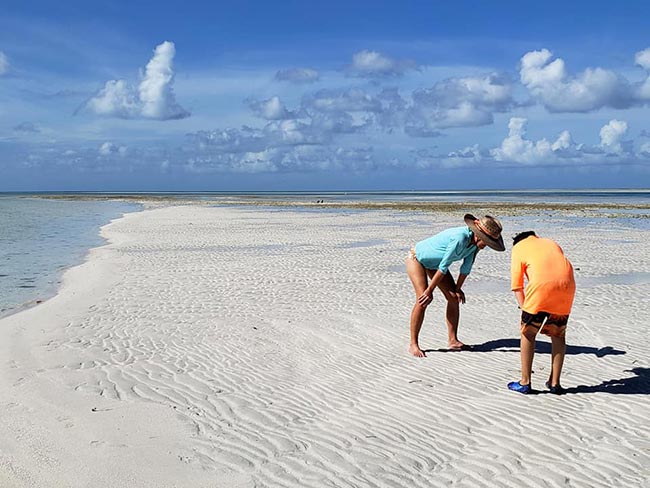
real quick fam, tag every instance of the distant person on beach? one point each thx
(427, 265)
(545, 303)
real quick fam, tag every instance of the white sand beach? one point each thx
(252, 347)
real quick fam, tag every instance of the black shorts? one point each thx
(551, 325)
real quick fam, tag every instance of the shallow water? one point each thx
(39, 239)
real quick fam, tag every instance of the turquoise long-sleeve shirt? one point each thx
(449, 246)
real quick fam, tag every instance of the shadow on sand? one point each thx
(541, 347)
(632, 385)
(639, 384)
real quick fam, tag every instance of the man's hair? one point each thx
(522, 235)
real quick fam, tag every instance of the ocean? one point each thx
(41, 237)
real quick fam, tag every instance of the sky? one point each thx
(299, 95)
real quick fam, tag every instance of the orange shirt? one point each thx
(551, 286)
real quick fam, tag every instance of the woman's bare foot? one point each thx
(457, 346)
(415, 350)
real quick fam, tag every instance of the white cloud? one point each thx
(471, 153)
(642, 58)
(298, 75)
(108, 148)
(156, 93)
(563, 142)
(458, 102)
(154, 97)
(4, 63)
(271, 109)
(611, 135)
(374, 64)
(115, 99)
(550, 83)
(517, 148)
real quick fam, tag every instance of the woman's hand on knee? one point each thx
(425, 299)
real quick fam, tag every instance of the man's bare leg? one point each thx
(418, 276)
(528, 335)
(558, 350)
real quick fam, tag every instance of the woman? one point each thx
(430, 260)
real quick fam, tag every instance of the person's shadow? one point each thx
(632, 385)
(511, 345)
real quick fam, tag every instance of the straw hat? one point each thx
(488, 229)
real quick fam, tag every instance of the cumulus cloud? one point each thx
(642, 58)
(611, 136)
(469, 153)
(454, 102)
(370, 64)
(298, 75)
(517, 148)
(108, 149)
(4, 63)
(115, 99)
(153, 98)
(276, 134)
(644, 150)
(280, 146)
(549, 82)
(271, 109)
(458, 102)
(341, 111)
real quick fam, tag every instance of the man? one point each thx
(430, 260)
(545, 303)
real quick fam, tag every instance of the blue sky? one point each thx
(297, 95)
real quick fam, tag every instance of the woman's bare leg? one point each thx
(418, 275)
(448, 287)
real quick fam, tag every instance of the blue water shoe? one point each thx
(518, 387)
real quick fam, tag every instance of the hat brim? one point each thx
(491, 242)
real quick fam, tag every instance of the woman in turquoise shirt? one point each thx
(430, 260)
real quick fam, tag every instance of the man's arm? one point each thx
(517, 272)
(520, 296)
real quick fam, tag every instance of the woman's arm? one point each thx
(427, 296)
(460, 294)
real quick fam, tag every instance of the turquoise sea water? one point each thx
(40, 238)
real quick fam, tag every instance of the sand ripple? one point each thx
(280, 339)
